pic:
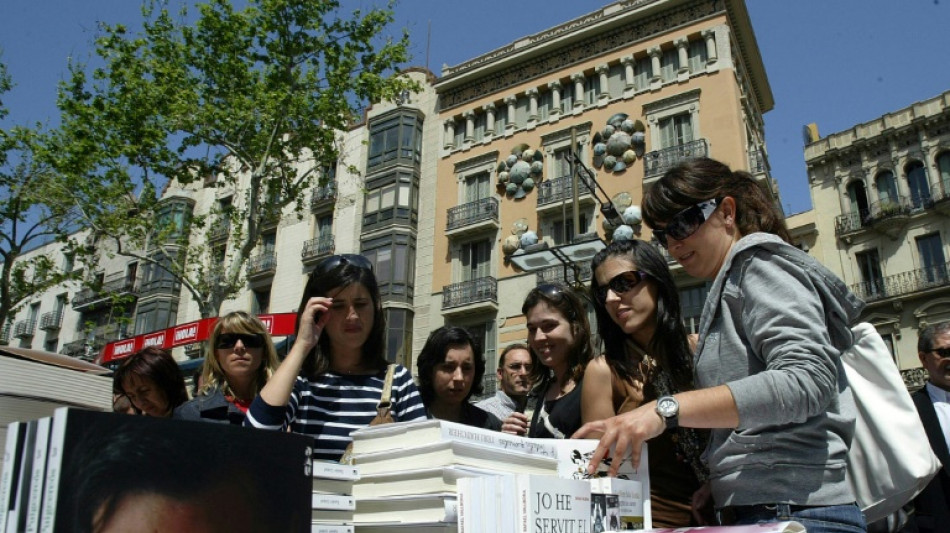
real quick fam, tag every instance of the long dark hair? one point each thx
(320, 284)
(433, 354)
(572, 308)
(157, 365)
(670, 344)
(700, 179)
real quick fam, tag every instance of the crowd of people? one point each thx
(747, 420)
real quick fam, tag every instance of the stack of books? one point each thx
(82, 470)
(524, 503)
(410, 471)
(333, 501)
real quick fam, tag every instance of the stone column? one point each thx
(578, 80)
(655, 54)
(628, 74)
(489, 119)
(682, 49)
(510, 124)
(602, 71)
(532, 105)
(555, 87)
(469, 126)
(449, 134)
(710, 36)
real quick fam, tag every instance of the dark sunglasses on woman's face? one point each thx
(336, 261)
(686, 222)
(621, 283)
(249, 340)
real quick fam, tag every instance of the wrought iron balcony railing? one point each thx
(470, 292)
(659, 161)
(903, 283)
(263, 264)
(317, 247)
(323, 195)
(565, 274)
(52, 320)
(219, 229)
(24, 328)
(561, 189)
(118, 285)
(472, 212)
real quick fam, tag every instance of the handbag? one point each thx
(384, 413)
(890, 460)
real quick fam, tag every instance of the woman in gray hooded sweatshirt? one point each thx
(770, 382)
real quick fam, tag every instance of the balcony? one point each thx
(75, 348)
(5, 333)
(261, 266)
(659, 161)
(219, 230)
(116, 286)
(565, 275)
(552, 193)
(904, 283)
(107, 333)
(24, 328)
(316, 249)
(160, 287)
(473, 217)
(885, 216)
(477, 295)
(323, 196)
(940, 200)
(51, 321)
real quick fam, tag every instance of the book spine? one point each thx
(20, 500)
(329, 470)
(11, 462)
(38, 475)
(496, 439)
(331, 528)
(333, 502)
(54, 467)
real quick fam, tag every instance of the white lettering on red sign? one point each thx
(186, 333)
(154, 340)
(123, 348)
(268, 322)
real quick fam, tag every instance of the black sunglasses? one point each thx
(249, 340)
(942, 353)
(337, 261)
(687, 221)
(621, 283)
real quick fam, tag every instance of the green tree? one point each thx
(251, 100)
(30, 215)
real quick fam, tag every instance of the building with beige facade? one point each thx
(881, 196)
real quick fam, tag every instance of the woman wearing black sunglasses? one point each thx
(646, 355)
(332, 380)
(241, 358)
(767, 366)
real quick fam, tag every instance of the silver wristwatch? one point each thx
(668, 409)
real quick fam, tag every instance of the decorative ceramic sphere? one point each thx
(618, 143)
(632, 215)
(623, 233)
(537, 167)
(527, 184)
(609, 162)
(502, 177)
(511, 244)
(609, 130)
(528, 238)
(619, 165)
(511, 188)
(638, 137)
(629, 157)
(608, 225)
(600, 149)
(527, 155)
(519, 172)
(512, 159)
(627, 126)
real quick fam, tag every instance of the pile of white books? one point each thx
(524, 503)
(333, 501)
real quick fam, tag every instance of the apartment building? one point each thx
(881, 196)
(686, 77)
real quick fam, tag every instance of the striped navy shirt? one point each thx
(331, 406)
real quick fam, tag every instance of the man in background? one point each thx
(932, 506)
(514, 382)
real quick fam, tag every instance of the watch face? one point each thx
(667, 407)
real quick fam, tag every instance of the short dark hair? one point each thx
(571, 307)
(700, 179)
(516, 346)
(927, 336)
(157, 365)
(433, 354)
(320, 284)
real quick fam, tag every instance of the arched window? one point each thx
(917, 183)
(886, 187)
(859, 199)
(943, 166)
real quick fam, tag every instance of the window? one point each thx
(697, 56)
(562, 229)
(889, 342)
(51, 345)
(172, 218)
(869, 264)
(393, 258)
(501, 119)
(858, 199)
(324, 229)
(943, 166)
(476, 260)
(484, 335)
(562, 166)
(669, 64)
(692, 301)
(459, 141)
(932, 260)
(477, 187)
(545, 104)
(69, 263)
(642, 73)
(399, 336)
(268, 242)
(521, 112)
(917, 183)
(398, 137)
(260, 303)
(591, 88)
(615, 81)
(886, 188)
(676, 130)
(567, 97)
(155, 315)
(391, 198)
(481, 120)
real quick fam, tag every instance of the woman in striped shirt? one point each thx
(333, 377)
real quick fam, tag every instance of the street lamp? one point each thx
(541, 256)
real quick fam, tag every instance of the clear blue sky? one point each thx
(834, 62)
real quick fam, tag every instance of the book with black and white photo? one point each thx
(546, 503)
(106, 467)
(627, 502)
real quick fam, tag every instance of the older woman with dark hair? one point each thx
(241, 358)
(332, 380)
(151, 379)
(450, 370)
